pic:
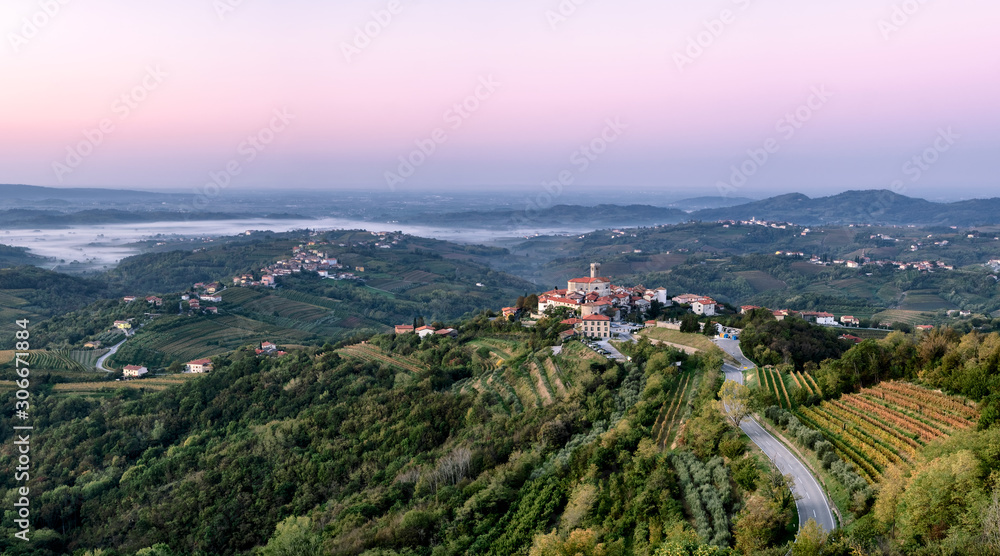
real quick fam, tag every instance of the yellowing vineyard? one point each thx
(669, 416)
(888, 424)
(369, 352)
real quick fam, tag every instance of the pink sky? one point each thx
(225, 76)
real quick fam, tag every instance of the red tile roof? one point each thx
(597, 317)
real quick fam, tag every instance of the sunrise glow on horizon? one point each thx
(500, 94)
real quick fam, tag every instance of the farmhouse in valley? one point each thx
(199, 366)
(134, 371)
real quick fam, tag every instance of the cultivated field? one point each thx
(774, 382)
(762, 281)
(888, 424)
(924, 300)
(213, 336)
(369, 352)
(56, 361)
(152, 383)
(539, 380)
(899, 315)
(668, 420)
(286, 308)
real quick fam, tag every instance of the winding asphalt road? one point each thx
(100, 361)
(811, 500)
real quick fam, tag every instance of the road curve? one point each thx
(100, 361)
(811, 501)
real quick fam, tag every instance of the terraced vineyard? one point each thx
(668, 420)
(369, 352)
(54, 361)
(888, 424)
(286, 308)
(806, 382)
(87, 357)
(538, 382)
(772, 381)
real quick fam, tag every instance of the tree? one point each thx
(655, 309)
(294, 537)
(810, 540)
(710, 330)
(778, 488)
(581, 542)
(757, 525)
(991, 522)
(689, 323)
(734, 401)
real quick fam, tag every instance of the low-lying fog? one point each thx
(99, 246)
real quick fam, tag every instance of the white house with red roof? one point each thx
(199, 366)
(704, 306)
(848, 320)
(425, 331)
(546, 301)
(822, 318)
(134, 371)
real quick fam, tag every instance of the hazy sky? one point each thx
(631, 94)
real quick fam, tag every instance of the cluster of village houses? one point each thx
(308, 257)
(598, 303)
(312, 257)
(862, 261)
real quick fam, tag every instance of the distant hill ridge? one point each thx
(861, 207)
(849, 207)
